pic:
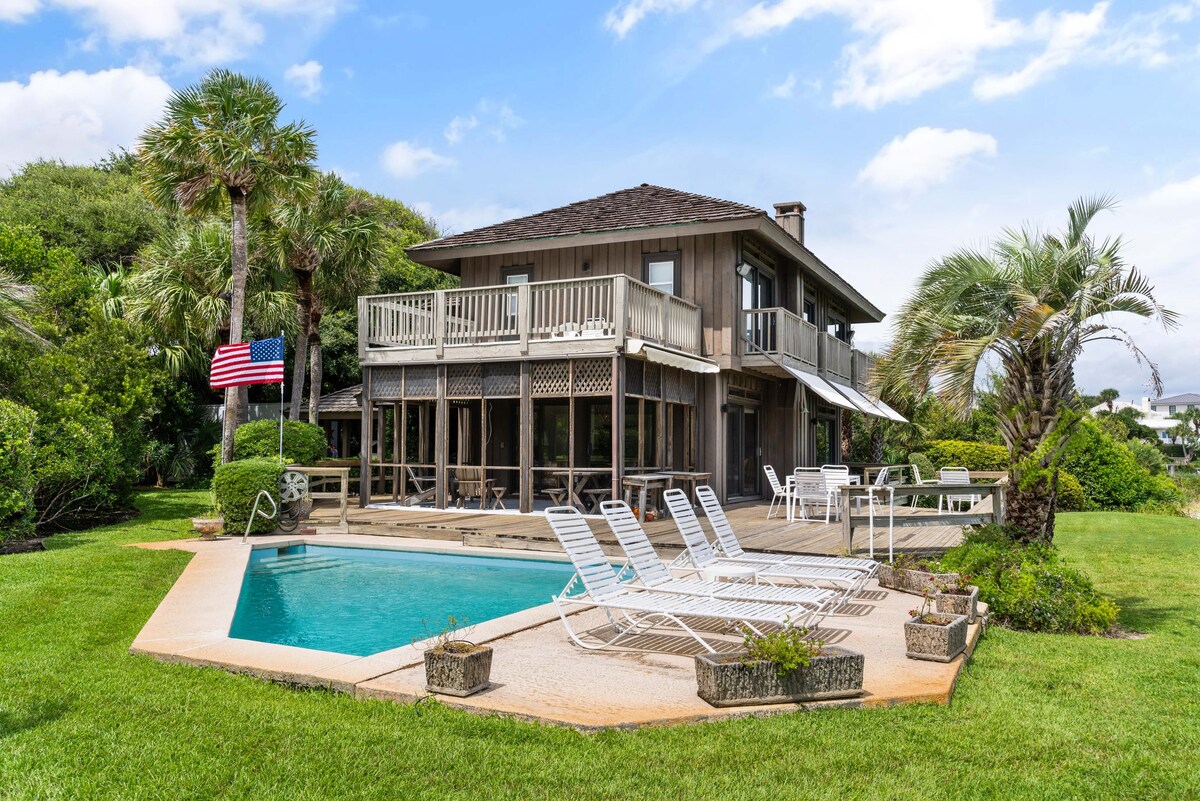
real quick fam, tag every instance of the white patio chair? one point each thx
(780, 492)
(654, 574)
(916, 479)
(634, 611)
(729, 546)
(956, 476)
(836, 477)
(808, 485)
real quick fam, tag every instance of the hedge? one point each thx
(1110, 473)
(236, 484)
(17, 514)
(1070, 493)
(303, 443)
(971, 455)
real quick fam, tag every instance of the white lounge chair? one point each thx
(634, 611)
(728, 545)
(956, 476)
(654, 574)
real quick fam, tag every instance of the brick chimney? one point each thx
(790, 217)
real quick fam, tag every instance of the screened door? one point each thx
(744, 445)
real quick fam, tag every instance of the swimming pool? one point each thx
(361, 601)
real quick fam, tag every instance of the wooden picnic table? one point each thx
(645, 484)
(583, 475)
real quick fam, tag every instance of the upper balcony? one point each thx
(770, 336)
(579, 316)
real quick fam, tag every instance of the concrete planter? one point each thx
(459, 673)
(913, 581)
(208, 527)
(724, 680)
(934, 642)
(953, 603)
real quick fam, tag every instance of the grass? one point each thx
(1035, 716)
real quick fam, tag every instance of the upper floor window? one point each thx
(1170, 410)
(661, 271)
(810, 310)
(512, 277)
(835, 324)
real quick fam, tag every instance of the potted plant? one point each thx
(934, 636)
(780, 667)
(958, 598)
(454, 665)
(908, 573)
(209, 526)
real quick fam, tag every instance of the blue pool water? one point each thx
(362, 601)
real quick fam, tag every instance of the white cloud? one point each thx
(197, 32)
(1067, 35)
(76, 116)
(924, 157)
(466, 218)
(1146, 38)
(406, 160)
(458, 128)
(306, 77)
(622, 19)
(785, 89)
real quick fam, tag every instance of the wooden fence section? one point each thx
(991, 507)
(835, 357)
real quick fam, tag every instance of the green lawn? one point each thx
(1035, 716)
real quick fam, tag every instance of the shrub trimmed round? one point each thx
(971, 455)
(236, 484)
(1070, 493)
(16, 471)
(303, 443)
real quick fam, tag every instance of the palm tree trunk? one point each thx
(303, 316)
(315, 376)
(237, 309)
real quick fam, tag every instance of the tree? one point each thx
(219, 142)
(330, 244)
(1030, 303)
(15, 299)
(1187, 431)
(1107, 396)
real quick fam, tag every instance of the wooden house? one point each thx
(641, 331)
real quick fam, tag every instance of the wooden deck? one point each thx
(756, 532)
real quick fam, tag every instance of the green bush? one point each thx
(1172, 450)
(303, 443)
(1026, 586)
(16, 471)
(236, 484)
(1110, 473)
(1148, 455)
(923, 465)
(1070, 493)
(971, 455)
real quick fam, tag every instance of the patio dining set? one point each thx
(820, 487)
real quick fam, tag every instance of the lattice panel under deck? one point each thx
(652, 387)
(502, 380)
(633, 377)
(671, 384)
(464, 381)
(387, 382)
(592, 376)
(550, 378)
(420, 382)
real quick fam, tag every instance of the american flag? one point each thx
(258, 362)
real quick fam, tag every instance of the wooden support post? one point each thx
(571, 432)
(526, 440)
(524, 316)
(395, 451)
(618, 414)
(439, 324)
(1000, 502)
(441, 427)
(847, 523)
(364, 439)
(620, 314)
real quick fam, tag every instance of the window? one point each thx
(661, 271)
(512, 277)
(810, 311)
(1170, 410)
(836, 324)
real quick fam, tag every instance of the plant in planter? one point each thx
(908, 573)
(934, 636)
(210, 525)
(454, 665)
(780, 667)
(958, 598)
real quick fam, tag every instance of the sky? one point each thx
(910, 128)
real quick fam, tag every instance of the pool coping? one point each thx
(191, 624)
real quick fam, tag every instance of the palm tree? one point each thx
(1029, 304)
(180, 293)
(15, 300)
(221, 141)
(330, 243)
(1107, 396)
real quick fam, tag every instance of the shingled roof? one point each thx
(1187, 397)
(644, 206)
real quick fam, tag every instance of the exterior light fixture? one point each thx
(743, 269)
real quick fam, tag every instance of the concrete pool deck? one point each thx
(537, 673)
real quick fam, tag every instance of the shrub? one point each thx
(1110, 474)
(1026, 586)
(971, 455)
(1172, 450)
(236, 484)
(303, 443)
(923, 465)
(1147, 455)
(1070, 493)
(16, 471)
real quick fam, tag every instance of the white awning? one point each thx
(890, 412)
(670, 358)
(878, 408)
(822, 388)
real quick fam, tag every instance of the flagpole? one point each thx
(282, 384)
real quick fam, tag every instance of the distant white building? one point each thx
(1156, 414)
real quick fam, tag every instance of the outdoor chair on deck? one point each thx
(472, 485)
(956, 476)
(633, 611)
(425, 486)
(808, 485)
(916, 479)
(856, 570)
(780, 493)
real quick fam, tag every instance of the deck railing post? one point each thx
(620, 309)
(847, 525)
(439, 322)
(524, 316)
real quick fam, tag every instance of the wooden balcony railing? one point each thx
(835, 357)
(512, 318)
(864, 367)
(777, 332)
